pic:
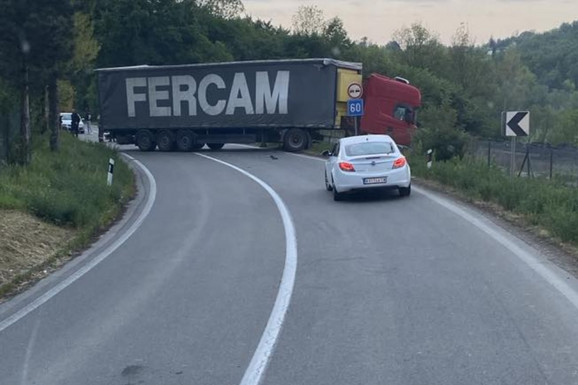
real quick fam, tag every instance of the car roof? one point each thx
(366, 138)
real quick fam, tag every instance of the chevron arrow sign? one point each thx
(517, 123)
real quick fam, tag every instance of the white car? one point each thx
(66, 122)
(366, 162)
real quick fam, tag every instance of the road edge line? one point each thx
(18, 315)
(532, 262)
(546, 273)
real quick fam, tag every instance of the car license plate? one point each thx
(375, 180)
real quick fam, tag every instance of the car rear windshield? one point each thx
(369, 148)
(66, 116)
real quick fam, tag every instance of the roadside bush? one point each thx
(445, 142)
(68, 188)
(552, 205)
(440, 132)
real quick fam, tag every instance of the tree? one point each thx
(566, 132)
(470, 66)
(309, 20)
(227, 9)
(36, 42)
(81, 67)
(335, 35)
(515, 81)
(441, 132)
(421, 48)
(133, 32)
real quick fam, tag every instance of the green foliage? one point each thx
(552, 56)
(421, 48)
(135, 32)
(80, 69)
(68, 188)
(548, 204)
(309, 20)
(227, 9)
(567, 124)
(336, 37)
(85, 45)
(441, 133)
(545, 78)
(244, 39)
(39, 31)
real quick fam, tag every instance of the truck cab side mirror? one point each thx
(409, 117)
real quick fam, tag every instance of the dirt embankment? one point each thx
(27, 243)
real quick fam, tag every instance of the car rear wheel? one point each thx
(337, 196)
(405, 191)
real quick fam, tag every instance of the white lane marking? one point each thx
(258, 365)
(29, 350)
(532, 261)
(90, 265)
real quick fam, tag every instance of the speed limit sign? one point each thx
(355, 107)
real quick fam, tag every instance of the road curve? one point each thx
(387, 290)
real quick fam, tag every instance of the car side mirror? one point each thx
(326, 153)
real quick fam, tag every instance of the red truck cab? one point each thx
(390, 108)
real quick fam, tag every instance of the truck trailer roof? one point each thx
(323, 61)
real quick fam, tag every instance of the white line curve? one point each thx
(262, 356)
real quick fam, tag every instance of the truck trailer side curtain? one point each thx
(165, 96)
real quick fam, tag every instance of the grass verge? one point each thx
(67, 189)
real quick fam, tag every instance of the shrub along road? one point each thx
(67, 190)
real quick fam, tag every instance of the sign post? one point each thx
(516, 123)
(355, 103)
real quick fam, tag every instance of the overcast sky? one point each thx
(379, 19)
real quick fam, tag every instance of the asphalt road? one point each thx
(386, 290)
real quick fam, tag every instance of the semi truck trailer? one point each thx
(184, 107)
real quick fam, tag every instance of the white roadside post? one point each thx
(429, 158)
(110, 171)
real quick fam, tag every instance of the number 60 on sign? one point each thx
(355, 107)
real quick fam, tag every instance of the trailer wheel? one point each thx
(215, 146)
(145, 140)
(166, 140)
(185, 140)
(295, 140)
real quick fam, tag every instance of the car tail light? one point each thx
(346, 166)
(399, 162)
